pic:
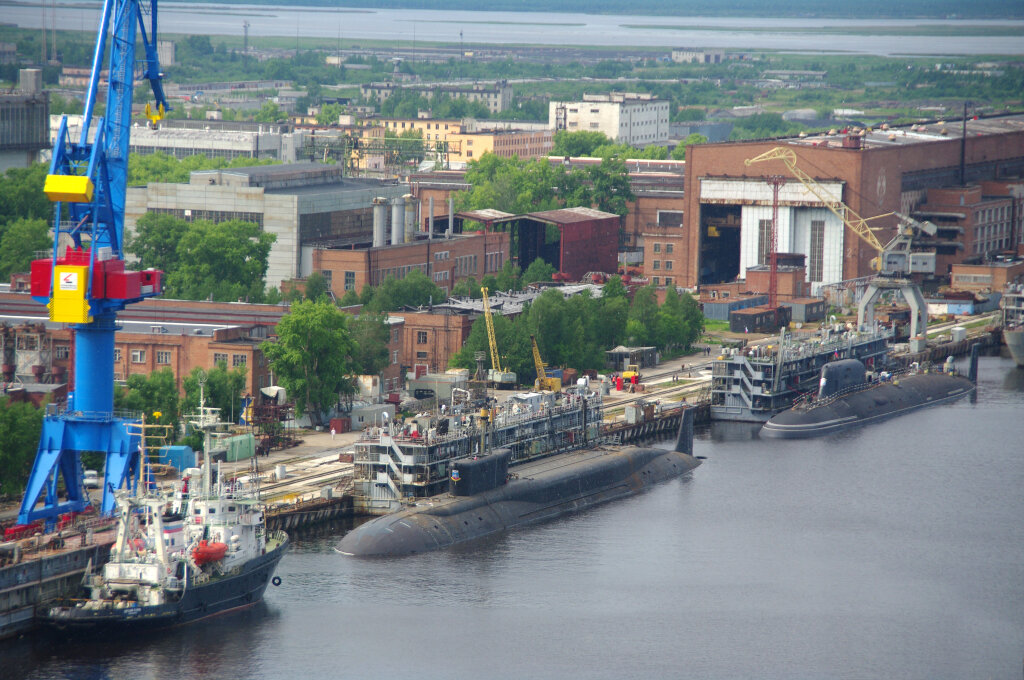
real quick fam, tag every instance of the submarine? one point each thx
(847, 399)
(485, 498)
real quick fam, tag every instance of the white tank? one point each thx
(410, 218)
(380, 221)
(397, 220)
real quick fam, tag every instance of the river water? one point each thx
(863, 35)
(894, 551)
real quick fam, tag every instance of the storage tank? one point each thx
(397, 220)
(410, 218)
(380, 221)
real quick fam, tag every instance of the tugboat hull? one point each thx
(219, 595)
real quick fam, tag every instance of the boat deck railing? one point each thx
(809, 400)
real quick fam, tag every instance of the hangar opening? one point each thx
(720, 229)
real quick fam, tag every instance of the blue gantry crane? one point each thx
(84, 282)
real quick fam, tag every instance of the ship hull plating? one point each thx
(1014, 339)
(870, 405)
(543, 490)
(215, 597)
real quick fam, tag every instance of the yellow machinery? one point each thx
(543, 382)
(497, 374)
(631, 370)
(895, 262)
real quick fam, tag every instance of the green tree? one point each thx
(613, 288)
(578, 143)
(19, 243)
(270, 113)
(21, 195)
(510, 277)
(227, 261)
(610, 182)
(467, 287)
(312, 356)
(155, 241)
(317, 287)
(539, 270)
(20, 426)
(371, 334)
(222, 389)
(414, 290)
(679, 153)
(151, 394)
(329, 114)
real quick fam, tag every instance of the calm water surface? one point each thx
(533, 28)
(895, 551)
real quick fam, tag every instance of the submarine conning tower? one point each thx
(475, 475)
(840, 375)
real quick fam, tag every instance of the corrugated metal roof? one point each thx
(570, 215)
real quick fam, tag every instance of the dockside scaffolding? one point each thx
(397, 463)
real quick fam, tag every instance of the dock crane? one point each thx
(543, 382)
(497, 374)
(84, 282)
(895, 262)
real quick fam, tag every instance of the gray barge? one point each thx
(756, 383)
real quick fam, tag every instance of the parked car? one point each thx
(422, 393)
(91, 479)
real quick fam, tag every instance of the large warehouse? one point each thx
(728, 214)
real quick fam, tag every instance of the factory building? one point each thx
(496, 96)
(728, 214)
(637, 119)
(211, 138)
(298, 203)
(23, 121)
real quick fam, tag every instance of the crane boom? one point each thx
(495, 361)
(849, 217)
(84, 282)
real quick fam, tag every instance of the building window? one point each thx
(394, 356)
(394, 335)
(421, 337)
(656, 281)
(421, 355)
(657, 247)
(117, 354)
(138, 356)
(469, 154)
(668, 247)
(817, 250)
(668, 264)
(657, 265)
(764, 240)
(163, 357)
(61, 352)
(350, 280)
(219, 358)
(239, 360)
(328, 276)
(668, 280)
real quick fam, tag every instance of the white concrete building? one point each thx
(634, 119)
(297, 203)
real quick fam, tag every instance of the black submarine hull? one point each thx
(870, 405)
(538, 491)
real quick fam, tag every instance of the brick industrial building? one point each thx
(729, 204)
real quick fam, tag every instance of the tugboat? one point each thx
(178, 559)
